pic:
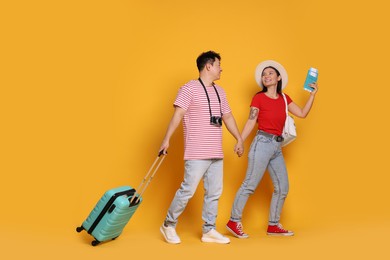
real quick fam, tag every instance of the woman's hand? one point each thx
(315, 88)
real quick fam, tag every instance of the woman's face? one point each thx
(269, 77)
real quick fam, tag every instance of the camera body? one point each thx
(216, 120)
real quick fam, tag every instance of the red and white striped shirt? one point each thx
(201, 140)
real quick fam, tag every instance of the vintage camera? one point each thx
(216, 120)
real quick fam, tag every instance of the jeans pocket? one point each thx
(264, 139)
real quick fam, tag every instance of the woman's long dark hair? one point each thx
(278, 88)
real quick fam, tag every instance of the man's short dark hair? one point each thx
(206, 57)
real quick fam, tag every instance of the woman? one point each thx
(268, 110)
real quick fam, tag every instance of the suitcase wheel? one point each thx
(79, 229)
(95, 243)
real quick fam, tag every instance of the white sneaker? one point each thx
(170, 234)
(213, 236)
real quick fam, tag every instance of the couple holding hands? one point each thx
(203, 107)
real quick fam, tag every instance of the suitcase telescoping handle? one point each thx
(144, 185)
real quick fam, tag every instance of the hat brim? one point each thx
(270, 63)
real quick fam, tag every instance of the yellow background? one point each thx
(86, 95)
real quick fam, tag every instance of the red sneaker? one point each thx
(278, 230)
(236, 229)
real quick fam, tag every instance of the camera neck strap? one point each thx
(208, 99)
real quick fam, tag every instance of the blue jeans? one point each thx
(264, 153)
(194, 170)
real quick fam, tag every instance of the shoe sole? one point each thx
(280, 234)
(212, 240)
(166, 239)
(234, 233)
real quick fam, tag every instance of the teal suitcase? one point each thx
(111, 214)
(115, 208)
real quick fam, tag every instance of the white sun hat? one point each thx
(274, 64)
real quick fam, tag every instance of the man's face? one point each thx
(215, 69)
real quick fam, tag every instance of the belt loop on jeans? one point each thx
(277, 138)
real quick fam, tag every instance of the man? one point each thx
(203, 107)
